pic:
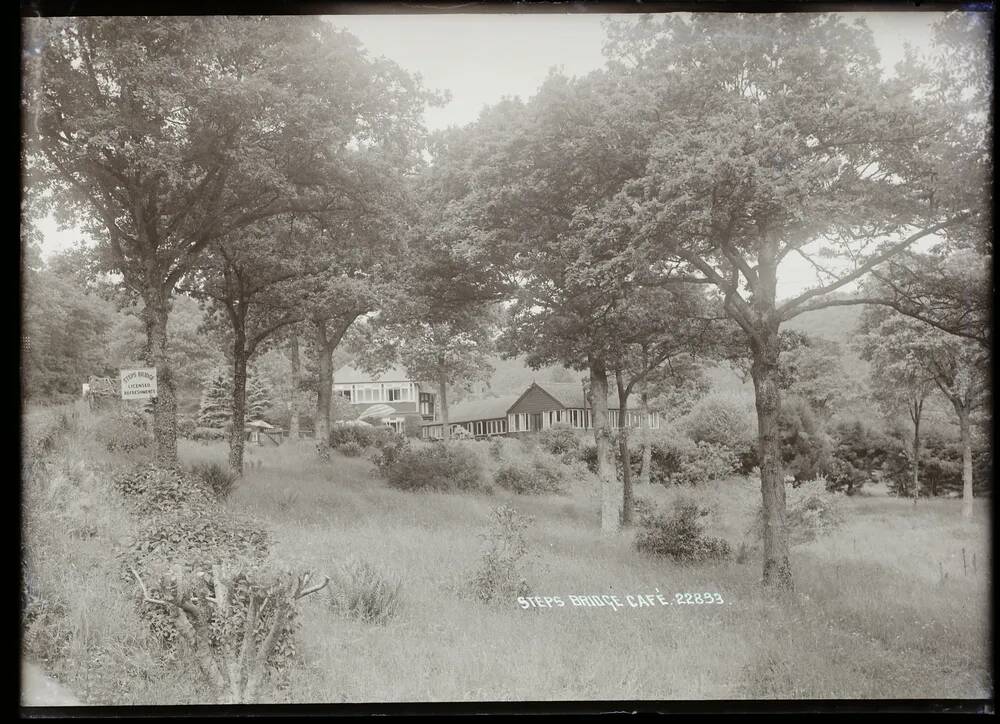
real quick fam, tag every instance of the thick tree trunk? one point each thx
(777, 568)
(443, 395)
(239, 403)
(324, 384)
(155, 315)
(623, 449)
(966, 437)
(611, 494)
(296, 380)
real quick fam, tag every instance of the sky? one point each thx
(480, 58)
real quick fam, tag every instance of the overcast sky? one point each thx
(481, 58)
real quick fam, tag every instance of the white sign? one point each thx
(138, 384)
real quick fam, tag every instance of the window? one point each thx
(394, 394)
(346, 394)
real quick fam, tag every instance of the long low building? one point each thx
(537, 408)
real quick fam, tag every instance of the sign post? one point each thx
(139, 384)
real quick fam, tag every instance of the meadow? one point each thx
(883, 606)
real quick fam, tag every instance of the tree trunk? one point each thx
(777, 568)
(647, 448)
(296, 380)
(155, 314)
(916, 456)
(966, 437)
(443, 394)
(324, 384)
(623, 449)
(611, 496)
(239, 403)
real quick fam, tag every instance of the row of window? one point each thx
(377, 393)
(526, 422)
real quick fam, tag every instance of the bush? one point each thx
(149, 490)
(206, 434)
(501, 575)
(219, 478)
(363, 436)
(859, 451)
(389, 454)
(124, 431)
(186, 427)
(721, 421)
(438, 467)
(806, 519)
(679, 535)
(359, 591)
(806, 449)
(560, 440)
(350, 449)
(537, 476)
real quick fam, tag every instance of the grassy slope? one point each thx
(871, 616)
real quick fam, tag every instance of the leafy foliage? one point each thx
(539, 476)
(437, 467)
(123, 430)
(219, 478)
(501, 575)
(358, 590)
(679, 535)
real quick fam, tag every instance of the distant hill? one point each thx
(836, 324)
(512, 376)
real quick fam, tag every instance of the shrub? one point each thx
(501, 575)
(560, 440)
(149, 489)
(363, 436)
(389, 454)
(806, 450)
(859, 451)
(721, 421)
(358, 590)
(538, 476)
(206, 434)
(219, 478)
(806, 519)
(186, 427)
(643, 508)
(124, 431)
(350, 449)
(439, 467)
(679, 535)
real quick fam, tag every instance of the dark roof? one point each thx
(349, 374)
(570, 394)
(486, 408)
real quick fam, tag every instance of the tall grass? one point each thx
(883, 606)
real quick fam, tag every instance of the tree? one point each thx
(899, 378)
(214, 410)
(163, 135)
(242, 275)
(65, 337)
(775, 135)
(956, 366)
(517, 186)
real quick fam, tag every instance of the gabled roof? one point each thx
(486, 408)
(349, 374)
(570, 394)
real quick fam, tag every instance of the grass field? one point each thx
(883, 606)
